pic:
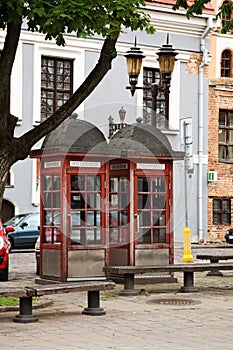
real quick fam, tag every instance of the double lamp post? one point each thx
(166, 57)
(134, 59)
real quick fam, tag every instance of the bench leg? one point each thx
(188, 286)
(129, 285)
(93, 307)
(25, 311)
(214, 273)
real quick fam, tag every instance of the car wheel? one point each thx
(5, 274)
(11, 243)
(37, 267)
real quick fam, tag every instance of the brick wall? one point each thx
(220, 97)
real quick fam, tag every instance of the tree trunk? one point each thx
(5, 166)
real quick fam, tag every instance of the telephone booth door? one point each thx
(153, 234)
(119, 213)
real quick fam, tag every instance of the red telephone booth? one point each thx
(104, 203)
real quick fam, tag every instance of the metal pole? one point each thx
(187, 257)
(185, 181)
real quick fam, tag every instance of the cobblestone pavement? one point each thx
(160, 318)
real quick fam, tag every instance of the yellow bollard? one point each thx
(187, 257)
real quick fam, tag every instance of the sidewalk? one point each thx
(193, 321)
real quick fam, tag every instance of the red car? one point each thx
(4, 254)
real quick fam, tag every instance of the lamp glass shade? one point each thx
(122, 113)
(166, 63)
(134, 65)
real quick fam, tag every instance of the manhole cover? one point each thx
(174, 301)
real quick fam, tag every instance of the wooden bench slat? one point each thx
(188, 270)
(214, 256)
(168, 268)
(26, 293)
(13, 292)
(69, 288)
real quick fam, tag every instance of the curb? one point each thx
(37, 305)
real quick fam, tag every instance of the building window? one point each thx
(225, 136)
(226, 64)
(226, 18)
(222, 211)
(152, 76)
(56, 84)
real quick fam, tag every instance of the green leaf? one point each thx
(85, 18)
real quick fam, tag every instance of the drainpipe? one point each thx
(204, 62)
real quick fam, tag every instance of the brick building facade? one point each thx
(220, 133)
(220, 187)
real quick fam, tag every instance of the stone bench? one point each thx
(214, 258)
(25, 295)
(188, 270)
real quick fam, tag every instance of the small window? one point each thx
(222, 211)
(226, 17)
(225, 136)
(56, 84)
(152, 76)
(226, 64)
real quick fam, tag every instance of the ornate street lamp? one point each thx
(122, 113)
(166, 57)
(134, 61)
(113, 127)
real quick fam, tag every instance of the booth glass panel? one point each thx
(56, 200)
(145, 218)
(77, 183)
(159, 235)
(144, 235)
(119, 235)
(77, 201)
(93, 200)
(51, 209)
(113, 184)
(159, 218)
(143, 201)
(76, 236)
(119, 210)
(151, 205)
(143, 185)
(124, 219)
(93, 183)
(56, 182)
(94, 236)
(158, 201)
(47, 200)
(158, 184)
(85, 203)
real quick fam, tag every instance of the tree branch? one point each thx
(6, 64)
(24, 143)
